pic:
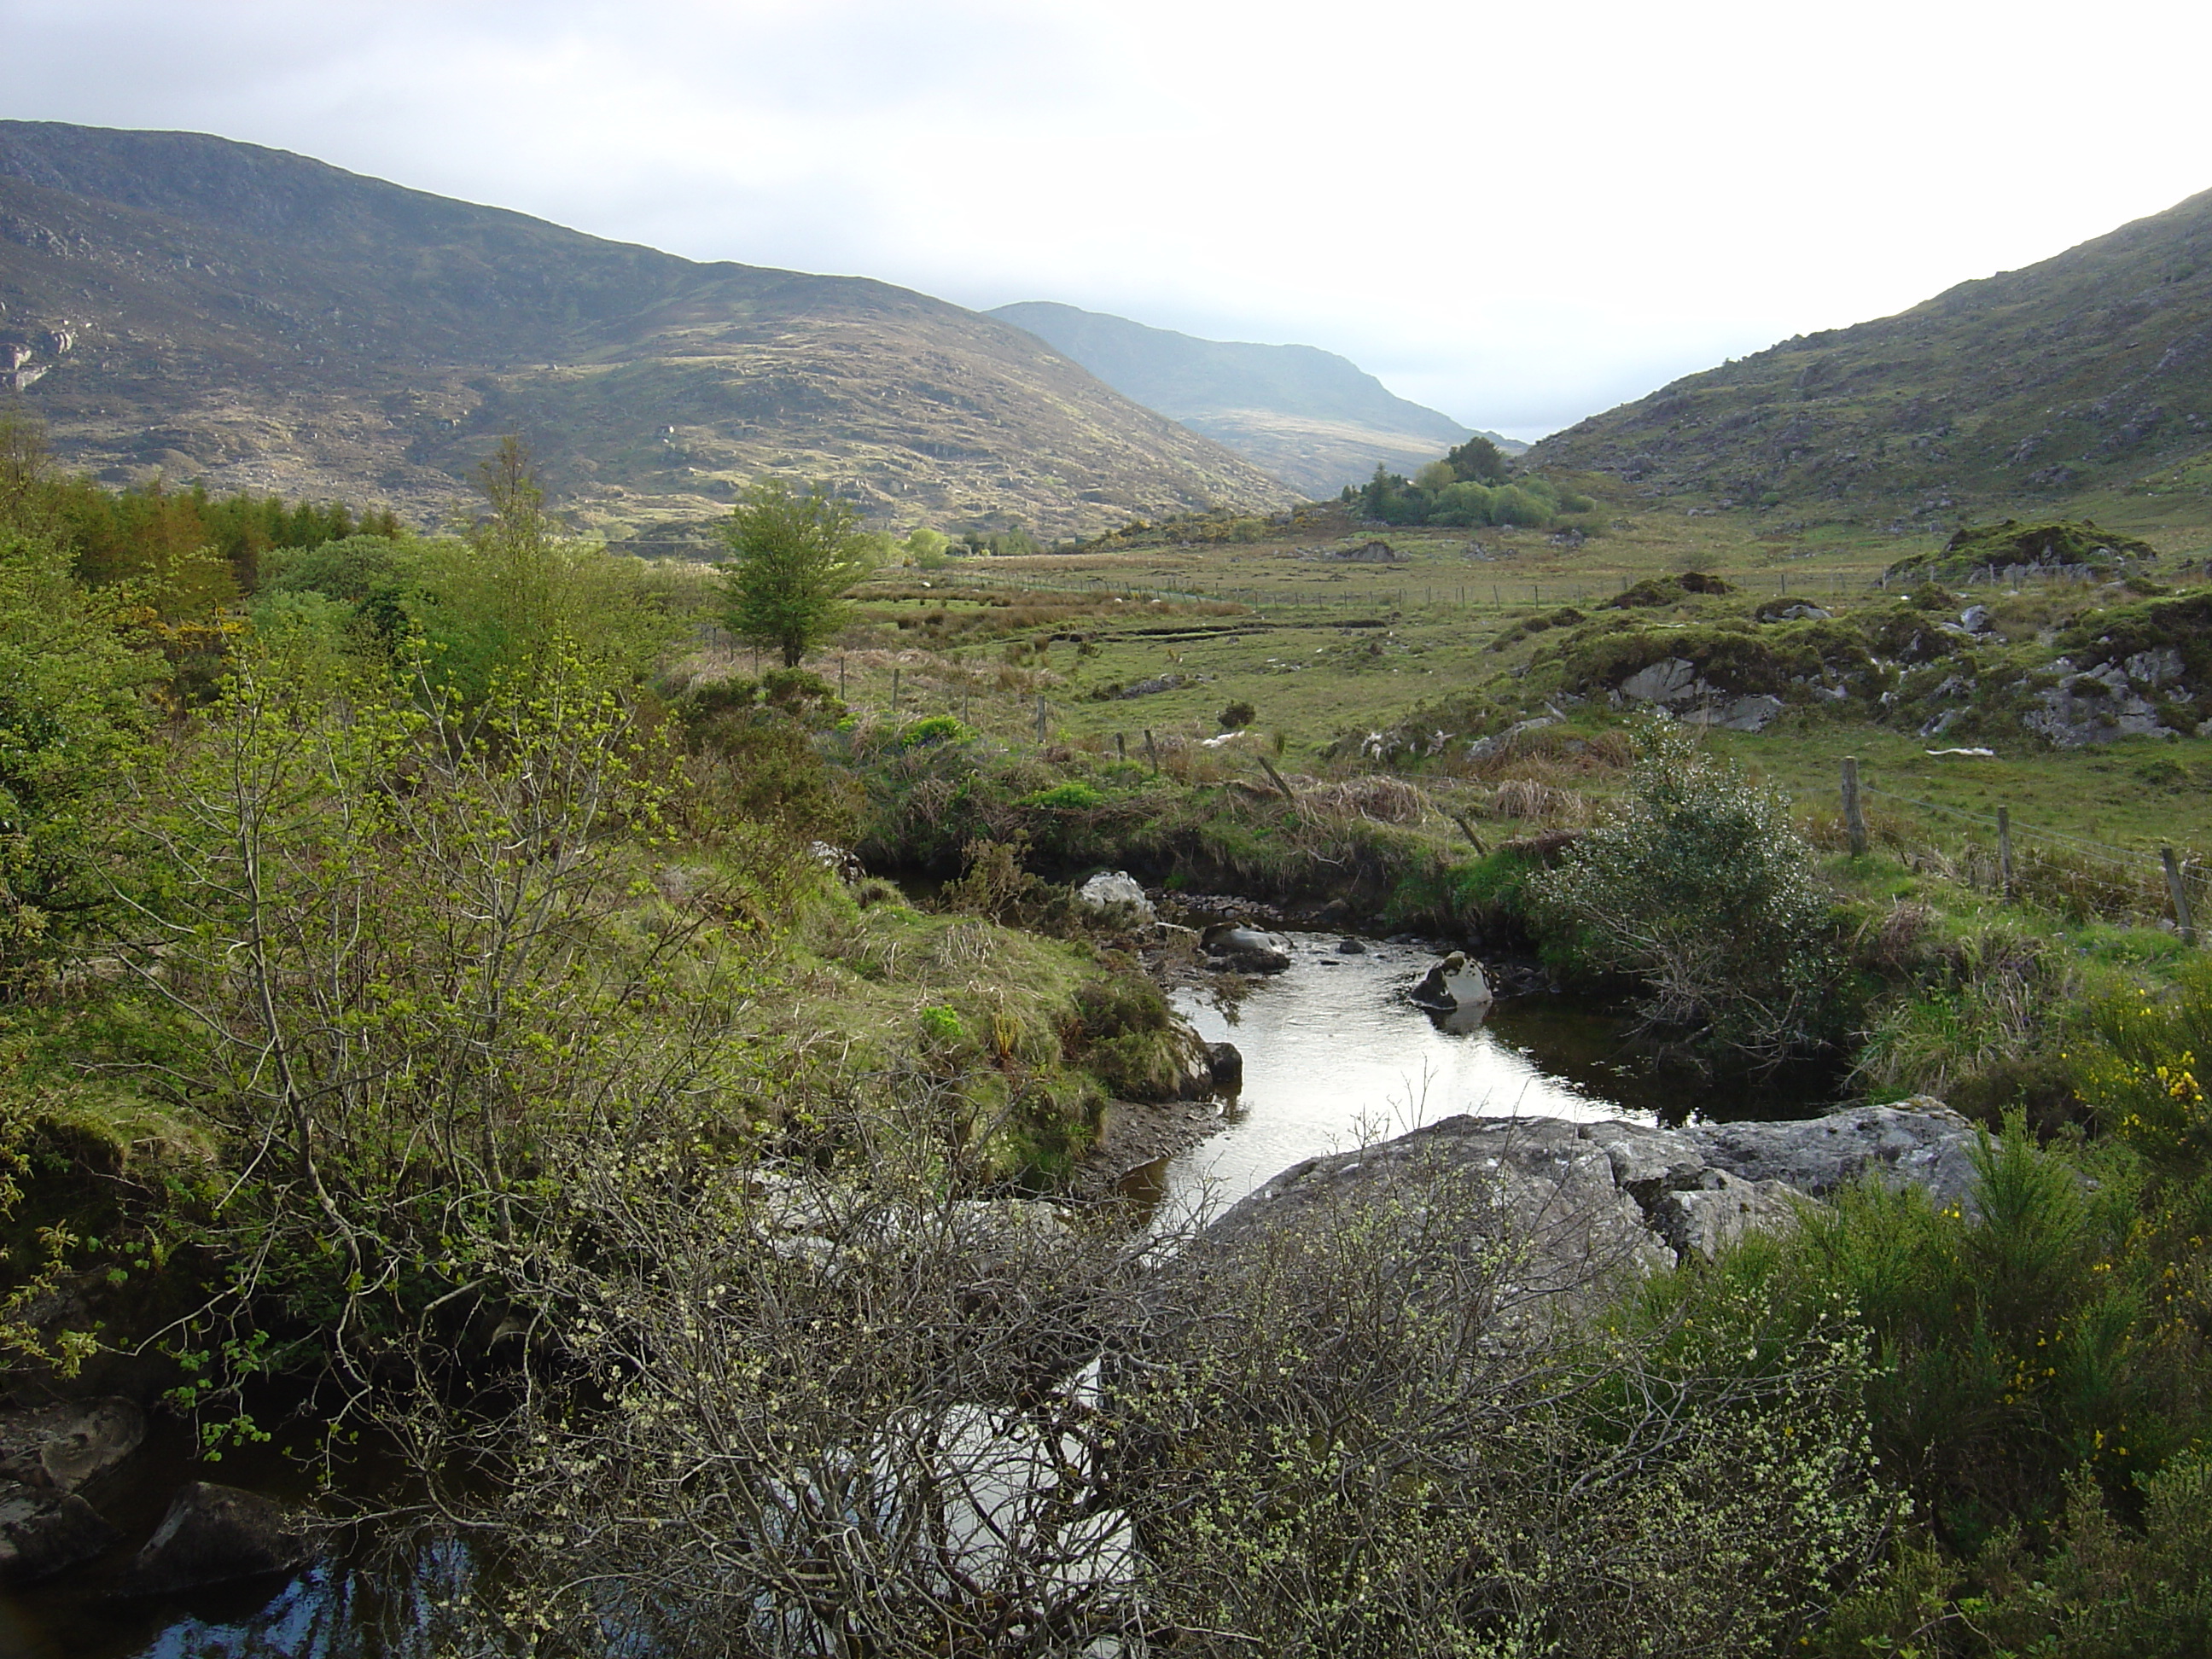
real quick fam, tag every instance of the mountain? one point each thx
(1316, 421)
(261, 320)
(2092, 369)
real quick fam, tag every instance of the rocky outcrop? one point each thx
(44, 1532)
(67, 1445)
(46, 1454)
(1674, 685)
(1585, 1202)
(215, 1534)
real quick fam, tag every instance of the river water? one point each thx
(1333, 1055)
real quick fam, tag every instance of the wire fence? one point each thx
(2077, 875)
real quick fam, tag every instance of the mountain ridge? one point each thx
(264, 320)
(2089, 369)
(1313, 418)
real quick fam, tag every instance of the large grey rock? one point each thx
(1580, 1205)
(215, 1534)
(43, 1531)
(68, 1443)
(1565, 1230)
(1455, 982)
(1920, 1142)
(1671, 681)
(1249, 950)
(1750, 714)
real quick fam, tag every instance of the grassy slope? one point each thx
(2089, 370)
(1302, 647)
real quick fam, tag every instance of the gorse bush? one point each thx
(2141, 1065)
(1701, 887)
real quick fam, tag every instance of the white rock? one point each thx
(1118, 887)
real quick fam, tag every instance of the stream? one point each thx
(1333, 1055)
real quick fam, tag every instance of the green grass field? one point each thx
(1322, 648)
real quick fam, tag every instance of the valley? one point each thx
(884, 1001)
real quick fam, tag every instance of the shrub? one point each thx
(2139, 1067)
(1701, 887)
(932, 730)
(1075, 795)
(1238, 715)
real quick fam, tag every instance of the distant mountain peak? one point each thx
(1314, 419)
(264, 321)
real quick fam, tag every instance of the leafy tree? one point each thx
(69, 716)
(795, 558)
(1481, 461)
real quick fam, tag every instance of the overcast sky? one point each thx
(1519, 216)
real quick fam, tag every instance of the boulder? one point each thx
(1579, 1204)
(1120, 887)
(1247, 949)
(43, 1531)
(1919, 1142)
(67, 1444)
(1563, 1230)
(1455, 984)
(1671, 681)
(1225, 1062)
(215, 1534)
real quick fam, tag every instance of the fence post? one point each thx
(1040, 719)
(895, 674)
(1152, 751)
(1121, 745)
(840, 679)
(2180, 891)
(1853, 820)
(2004, 848)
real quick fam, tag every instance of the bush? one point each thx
(932, 730)
(1702, 888)
(1238, 715)
(1075, 795)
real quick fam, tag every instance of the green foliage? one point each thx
(1444, 495)
(2025, 1333)
(1073, 796)
(1238, 715)
(1479, 461)
(1348, 1439)
(1124, 1034)
(933, 729)
(2137, 1063)
(71, 719)
(794, 557)
(1701, 887)
(385, 934)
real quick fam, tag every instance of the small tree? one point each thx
(796, 557)
(1701, 886)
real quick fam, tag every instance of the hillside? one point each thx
(2087, 370)
(262, 320)
(1315, 420)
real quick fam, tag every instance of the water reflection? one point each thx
(1333, 1055)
